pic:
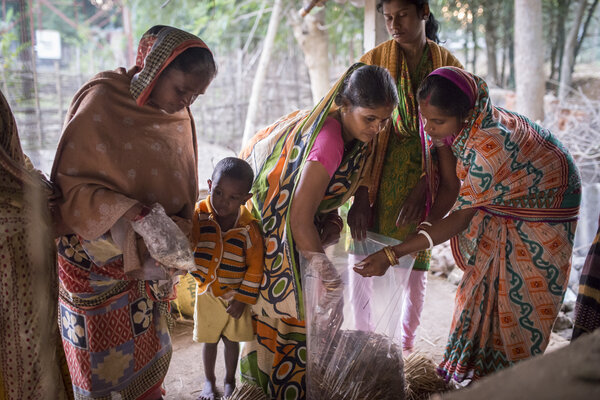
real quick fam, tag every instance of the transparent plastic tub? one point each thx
(353, 323)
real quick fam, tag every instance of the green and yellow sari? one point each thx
(399, 159)
(276, 360)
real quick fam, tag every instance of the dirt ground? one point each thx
(185, 377)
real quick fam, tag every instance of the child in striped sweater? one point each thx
(229, 253)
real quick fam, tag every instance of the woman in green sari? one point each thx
(306, 165)
(391, 199)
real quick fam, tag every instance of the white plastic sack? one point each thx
(353, 341)
(166, 243)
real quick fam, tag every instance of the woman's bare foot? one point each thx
(407, 351)
(209, 391)
(229, 389)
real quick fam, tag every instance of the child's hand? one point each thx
(236, 308)
(330, 234)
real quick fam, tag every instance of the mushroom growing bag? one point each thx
(353, 323)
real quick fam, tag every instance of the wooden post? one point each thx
(59, 91)
(240, 93)
(38, 111)
(374, 26)
(128, 35)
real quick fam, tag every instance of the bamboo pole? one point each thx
(38, 111)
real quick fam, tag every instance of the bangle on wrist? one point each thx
(391, 255)
(426, 223)
(428, 236)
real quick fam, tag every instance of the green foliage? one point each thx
(221, 23)
(9, 36)
(77, 12)
(345, 25)
(226, 24)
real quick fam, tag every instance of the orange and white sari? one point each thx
(516, 251)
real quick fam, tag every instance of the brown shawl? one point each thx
(12, 158)
(115, 153)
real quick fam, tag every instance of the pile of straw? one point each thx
(247, 391)
(357, 365)
(422, 379)
(373, 369)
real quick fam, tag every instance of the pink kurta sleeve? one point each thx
(328, 148)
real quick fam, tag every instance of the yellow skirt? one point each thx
(211, 321)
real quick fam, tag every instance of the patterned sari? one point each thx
(116, 151)
(587, 308)
(276, 360)
(398, 155)
(516, 251)
(32, 360)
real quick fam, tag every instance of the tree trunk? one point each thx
(563, 12)
(552, 33)
(529, 58)
(261, 72)
(506, 32)
(490, 46)
(25, 40)
(474, 38)
(586, 25)
(508, 60)
(568, 60)
(314, 41)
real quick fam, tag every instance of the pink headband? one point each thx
(461, 79)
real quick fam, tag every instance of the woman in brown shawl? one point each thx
(31, 354)
(129, 142)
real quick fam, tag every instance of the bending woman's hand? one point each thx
(414, 204)
(236, 308)
(330, 227)
(376, 264)
(359, 215)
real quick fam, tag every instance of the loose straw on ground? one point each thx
(247, 391)
(421, 377)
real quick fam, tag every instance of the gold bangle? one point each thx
(391, 255)
(387, 255)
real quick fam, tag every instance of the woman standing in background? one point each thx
(395, 194)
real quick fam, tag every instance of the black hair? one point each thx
(195, 59)
(369, 86)
(234, 168)
(444, 94)
(432, 26)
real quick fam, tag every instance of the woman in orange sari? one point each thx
(129, 142)
(511, 228)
